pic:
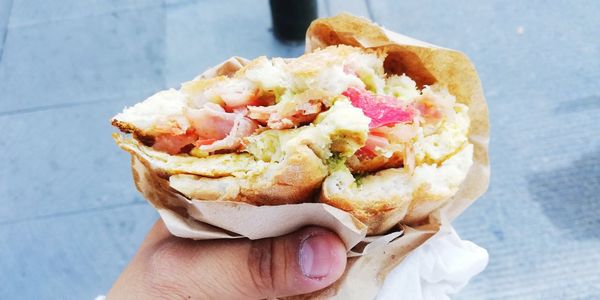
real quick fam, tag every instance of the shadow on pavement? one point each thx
(570, 196)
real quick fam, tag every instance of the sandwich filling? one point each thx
(337, 100)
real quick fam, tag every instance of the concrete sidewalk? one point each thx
(71, 218)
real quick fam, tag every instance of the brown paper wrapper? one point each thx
(370, 258)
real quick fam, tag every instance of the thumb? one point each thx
(302, 262)
(298, 263)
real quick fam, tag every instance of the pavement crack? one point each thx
(70, 213)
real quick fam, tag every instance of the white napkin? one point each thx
(437, 269)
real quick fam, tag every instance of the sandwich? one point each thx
(341, 125)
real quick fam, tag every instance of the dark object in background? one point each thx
(292, 17)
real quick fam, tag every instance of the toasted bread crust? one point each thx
(136, 132)
(380, 214)
(296, 179)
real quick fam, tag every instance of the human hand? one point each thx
(168, 267)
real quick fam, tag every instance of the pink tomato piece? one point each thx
(382, 110)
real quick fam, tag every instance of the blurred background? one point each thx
(70, 217)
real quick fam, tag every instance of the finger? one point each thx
(130, 284)
(298, 263)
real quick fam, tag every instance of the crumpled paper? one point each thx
(436, 270)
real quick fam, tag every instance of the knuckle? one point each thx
(261, 266)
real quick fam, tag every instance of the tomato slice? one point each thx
(368, 151)
(382, 110)
(365, 153)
